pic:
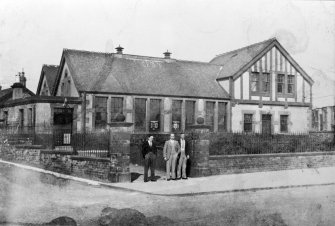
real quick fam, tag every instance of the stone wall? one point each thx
(229, 164)
(101, 169)
(29, 154)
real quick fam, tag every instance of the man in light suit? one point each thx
(170, 153)
(184, 156)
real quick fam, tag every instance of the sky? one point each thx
(34, 32)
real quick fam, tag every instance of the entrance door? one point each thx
(266, 124)
(63, 118)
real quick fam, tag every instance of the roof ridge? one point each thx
(248, 46)
(50, 65)
(87, 51)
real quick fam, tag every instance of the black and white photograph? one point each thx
(167, 112)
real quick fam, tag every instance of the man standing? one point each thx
(170, 153)
(149, 152)
(184, 156)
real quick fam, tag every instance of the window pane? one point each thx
(155, 115)
(222, 117)
(116, 107)
(210, 114)
(100, 112)
(254, 82)
(140, 113)
(283, 123)
(247, 125)
(176, 115)
(280, 83)
(290, 83)
(266, 82)
(190, 113)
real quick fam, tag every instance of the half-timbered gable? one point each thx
(264, 79)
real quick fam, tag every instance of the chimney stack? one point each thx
(119, 50)
(23, 79)
(167, 54)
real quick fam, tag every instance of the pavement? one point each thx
(215, 184)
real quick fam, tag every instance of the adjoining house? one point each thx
(258, 88)
(323, 118)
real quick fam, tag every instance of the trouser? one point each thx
(171, 166)
(149, 162)
(182, 166)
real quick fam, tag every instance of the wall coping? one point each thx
(87, 158)
(212, 157)
(29, 146)
(53, 152)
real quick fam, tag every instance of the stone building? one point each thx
(258, 88)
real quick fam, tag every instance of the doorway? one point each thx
(266, 123)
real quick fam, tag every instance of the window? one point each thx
(247, 124)
(255, 82)
(176, 115)
(266, 82)
(290, 84)
(222, 117)
(5, 117)
(30, 116)
(140, 114)
(284, 123)
(116, 107)
(210, 114)
(324, 117)
(100, 112)
(280, 83)
(69, 87)
(21, 118)
(190, 113)
(155, 115)
(62, 89)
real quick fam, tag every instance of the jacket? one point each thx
(187, 151)
(146, 148)
(167, 151)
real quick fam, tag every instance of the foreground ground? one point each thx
(31, 197)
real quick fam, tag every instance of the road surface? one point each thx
(30, 197)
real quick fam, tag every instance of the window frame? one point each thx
(160, 120)
(207, 115)
(281, 117)
(187, 125)
(260, 83)
(247, 123)
(113, 113)
(175, 111)
(142, 127)
(100, 123)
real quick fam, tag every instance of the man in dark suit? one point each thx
(149, 153)
(184, 156)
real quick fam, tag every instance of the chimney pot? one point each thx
(167, 54)
(119, 50)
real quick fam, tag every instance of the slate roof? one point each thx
(50, 73)
(132, 74)
(235, 60)
(6, 94)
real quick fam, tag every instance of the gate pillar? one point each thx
(119, 151)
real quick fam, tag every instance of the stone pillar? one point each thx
(200, 155)
(119, 147)
(167, 114)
